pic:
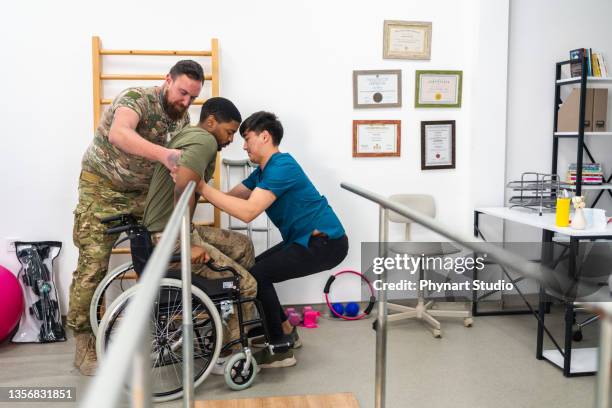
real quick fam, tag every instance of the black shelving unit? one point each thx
(564, 348)
(581, 145)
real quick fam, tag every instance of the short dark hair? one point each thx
(222, 109)
(188, 67)
(260, 121)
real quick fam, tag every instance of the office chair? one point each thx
(422, 311)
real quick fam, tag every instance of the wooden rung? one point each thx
(202, 200)
(204, 223)
(121, 251)
(196, 102)
(156, 52)
(146, 77)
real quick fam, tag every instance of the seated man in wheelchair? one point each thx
(219, 120)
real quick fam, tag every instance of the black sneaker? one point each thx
(265, 359)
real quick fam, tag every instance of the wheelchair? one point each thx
(214, 301)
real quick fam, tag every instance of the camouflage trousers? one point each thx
(226, 248)
(96, 201)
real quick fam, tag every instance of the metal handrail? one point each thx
(501, 256)
(132, 343)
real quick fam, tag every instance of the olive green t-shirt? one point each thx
(198, 153)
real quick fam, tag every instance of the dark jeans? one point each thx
(281, 263)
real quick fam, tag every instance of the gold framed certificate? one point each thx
(377, 89)
(376, 138)
(438, 89)
(407, 40)
(438, 145)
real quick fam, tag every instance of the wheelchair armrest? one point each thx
(211, 264)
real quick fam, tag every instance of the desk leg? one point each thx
(547, 256)
(569, 310)
(569, 320)
(475, 271)
(541, 314)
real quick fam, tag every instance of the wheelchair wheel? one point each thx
(235, 377)
(167, 339)
(114, 282)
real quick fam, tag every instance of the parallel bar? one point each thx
(499, 255)
(146, 77)
(381, 322)
(187, 311)
(157, 52)
(106, 388)
(141, 376)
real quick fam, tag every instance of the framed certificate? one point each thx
(438, 145)
(377, 89)
(376, 138)
(407, 40)
(438, 89)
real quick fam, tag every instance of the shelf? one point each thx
(575, 134)
(576, 80)
(604, 186)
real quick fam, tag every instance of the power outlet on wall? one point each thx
(10, 244)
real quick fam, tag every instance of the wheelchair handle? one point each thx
(125, 218)
(116, 230)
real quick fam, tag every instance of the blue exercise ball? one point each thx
(338, 308)
(351, 309)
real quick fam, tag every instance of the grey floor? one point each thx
(489, 365)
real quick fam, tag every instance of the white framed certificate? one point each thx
(377, 89)
(438, 89)
(376, 138)
(407, 40)
(438, 145)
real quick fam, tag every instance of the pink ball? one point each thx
(11, 302)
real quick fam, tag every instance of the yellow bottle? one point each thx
(563, 212)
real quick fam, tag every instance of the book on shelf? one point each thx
(576, 67)
(595, 63)
(592, 174)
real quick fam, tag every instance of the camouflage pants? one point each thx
(96, 201)
(227, 248)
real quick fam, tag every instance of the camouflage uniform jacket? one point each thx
(127, 172)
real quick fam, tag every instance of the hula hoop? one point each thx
(367, 310)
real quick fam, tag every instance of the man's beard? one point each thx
(173, 111)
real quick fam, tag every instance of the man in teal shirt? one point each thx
(313, 236)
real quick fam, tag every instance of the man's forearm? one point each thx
(131, 142)
(234, 206)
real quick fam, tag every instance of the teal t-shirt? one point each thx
(299, 209)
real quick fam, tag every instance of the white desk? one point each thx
(546, 221)
(582, 361)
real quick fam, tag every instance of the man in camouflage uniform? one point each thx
(115, 176)
(219, 121)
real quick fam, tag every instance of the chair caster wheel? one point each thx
(437, 333)
(577, 335)
(468, 322)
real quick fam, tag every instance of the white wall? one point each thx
(542, 33)
(293, 58)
